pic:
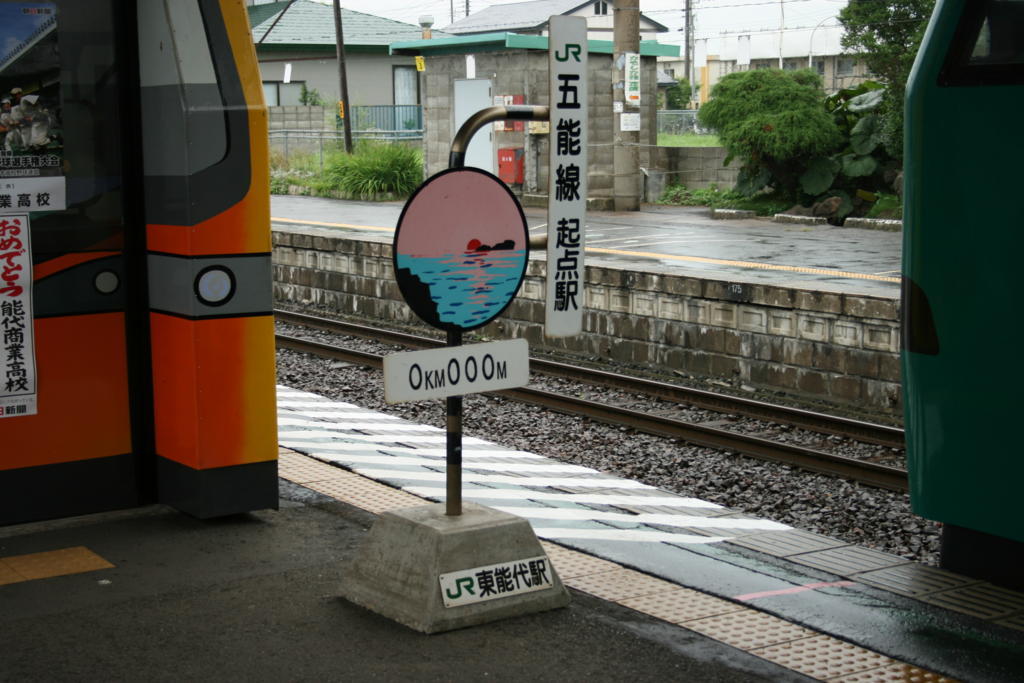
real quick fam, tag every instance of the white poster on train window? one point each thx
(31, 129)
(17, 347)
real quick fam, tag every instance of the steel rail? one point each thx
(805, 458)
(859, 430)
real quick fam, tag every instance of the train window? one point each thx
(988, 46)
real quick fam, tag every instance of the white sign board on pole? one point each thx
(567, 172)
(631, 71)
(456, 370)
(629, 121)
(495, 581)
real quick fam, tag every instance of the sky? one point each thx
(712, 17)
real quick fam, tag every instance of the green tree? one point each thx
(310, 97)
(774, 121)
(887, 35)
(678, 96)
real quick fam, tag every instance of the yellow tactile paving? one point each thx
(681, 605)
(51, 563)
(823, 657)
(366, 494)
(619, 584)
(301, 470)
(749, 630)
(763, 635)
(896, 672)
(571, 564)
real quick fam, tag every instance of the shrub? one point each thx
(374, 169)
(773, 121)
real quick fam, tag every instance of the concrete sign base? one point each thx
(399, 569)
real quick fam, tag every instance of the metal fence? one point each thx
(386, 121)
(679, 122)
(310, 147)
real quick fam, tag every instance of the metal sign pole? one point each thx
(453, 404)
(453, 454)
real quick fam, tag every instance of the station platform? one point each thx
(674, 240)
(664, 587)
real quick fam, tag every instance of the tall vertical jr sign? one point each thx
(567, 175)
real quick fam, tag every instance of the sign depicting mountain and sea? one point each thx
(460, 249)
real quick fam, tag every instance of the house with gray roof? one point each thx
(531, 18)
(295, 45)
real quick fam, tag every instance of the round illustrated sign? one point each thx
(461, 249)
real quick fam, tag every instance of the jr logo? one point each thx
(571, 50)
(466, 583)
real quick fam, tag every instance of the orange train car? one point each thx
(137, 354)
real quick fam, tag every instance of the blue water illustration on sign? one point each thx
(471, 287)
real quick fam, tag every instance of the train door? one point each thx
(71, 439)
(137, 356)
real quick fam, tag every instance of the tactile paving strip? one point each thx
(914, 580)
(681, 605)
(49, 564)
(735, 625)
(786, 543)
(619, 584)
(1016, 621)
(895, 672)
(980, 600)
(823, 657)
(300, 469)
(848, 560)
(366, 494)
(571, 564)
(749, 630)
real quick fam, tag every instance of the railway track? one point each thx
(860, 470)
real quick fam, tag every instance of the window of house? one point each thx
(600, 7)
(280, 94)
(844, 66)
(406, 85)
(819, 66)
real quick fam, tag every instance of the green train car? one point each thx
(963, 238)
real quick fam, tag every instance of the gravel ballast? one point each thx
(863, 515)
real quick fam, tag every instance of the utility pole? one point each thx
(782, 27)
(687, 36)
(344, 110)
(626, 185)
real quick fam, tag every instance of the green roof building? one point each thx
(295, 45)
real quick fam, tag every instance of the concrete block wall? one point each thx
(525, 72)
(301, 118)
(826, 348)
(694, 167)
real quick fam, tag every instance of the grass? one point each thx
(372, 171)
(687, 140)
(715, 198)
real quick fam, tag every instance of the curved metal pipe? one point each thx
(511, 112)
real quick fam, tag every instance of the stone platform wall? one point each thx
(822, 347)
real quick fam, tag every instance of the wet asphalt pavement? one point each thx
(255, 597)
(678, 240)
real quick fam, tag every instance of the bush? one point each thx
(762, 204)
(774, 121)
(373, 169)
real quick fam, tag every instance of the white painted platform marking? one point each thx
(331, 431)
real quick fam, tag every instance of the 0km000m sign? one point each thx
(456, 370)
